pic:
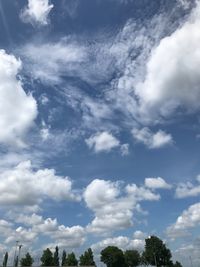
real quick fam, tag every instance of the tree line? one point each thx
(155, 254)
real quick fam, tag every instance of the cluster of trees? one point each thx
(155, 254)
(52, 259)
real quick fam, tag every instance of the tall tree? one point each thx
(71, 260)
(64, 255)
(5, 259)
(47, 258)
(156, 253)
(113, 257)
(87, 259)
(132, 258)
(27, 260)
(56, 257)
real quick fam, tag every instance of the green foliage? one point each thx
(71, 260)
(177, 264)
(5, 259)
(47, 258)
(64, 255)
(113, 257)
(156, 253)
(132, 258)
(56, 257)
(87, 258)
(27, 260)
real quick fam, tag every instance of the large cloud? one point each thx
(190, 218)
(173, 75)
(17, 110)
(36, 11)
(24, 186)
(114, 210)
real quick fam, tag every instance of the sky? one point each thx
(100, 125)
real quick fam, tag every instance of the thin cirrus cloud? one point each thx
(36, 12)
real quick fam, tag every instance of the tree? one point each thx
(71, 260)
(156, 253)
(177, 264)
(87, 258)
(47, 258)
(132, 258)
(27, 260)
(113, 257)
(56, 257)
(5, 259)
(64, 255)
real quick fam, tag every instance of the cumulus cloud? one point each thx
(172, 78)
(24, 186)
(122, 242)
(36, 12)
(18, 110)
(150, 139)
(156, 183)
(114, 210)
(103, 141)
(188, 189)
(190, 218)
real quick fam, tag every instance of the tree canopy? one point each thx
(71, 260)
(27, 260)
(132, 258)
(113, 257)
(87, 259)
(47, 258)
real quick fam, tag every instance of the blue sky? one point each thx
(99, 119)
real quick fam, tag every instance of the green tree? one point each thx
(156, 253)
(87, 259)
(47, 258)
(132, 258)
(71, 260)
(5, 259)
(64, 255)
(27, 260)
(113, 257)
(177, 264)
(56, 257)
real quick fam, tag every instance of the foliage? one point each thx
(177, 264)
(47, 258)
(56, 257)
(87, 258)
(5, 259)
(27, 260)
(156, 253)
(71, 260)
(113, 257)
(132, 258)
(64, 255)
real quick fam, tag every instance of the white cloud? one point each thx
(188, 189)
(156, 183)
(17, 110)
(66, 61)
(122, 242)
(172, 78)
(152, 140)
(124, 149)
(114, 210)
(190, 218)
(23, 186)
(36, 12)
(102, 142)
